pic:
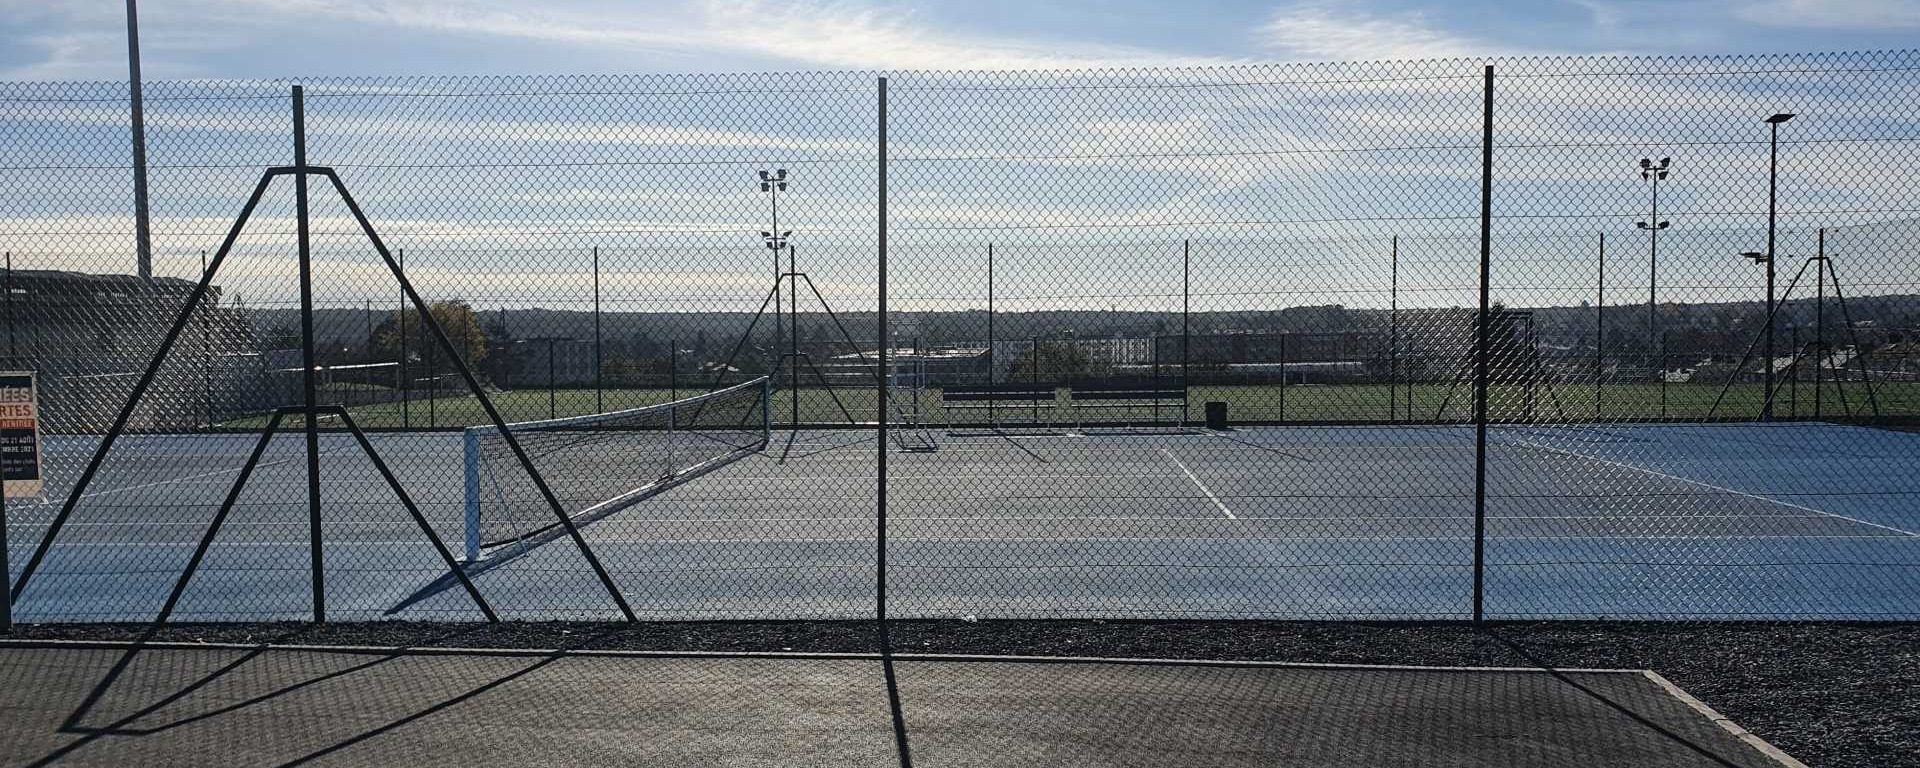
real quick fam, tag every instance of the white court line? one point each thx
(1720, 488)
(177, 480)
(1197, 484)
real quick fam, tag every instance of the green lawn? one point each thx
(1302, 403)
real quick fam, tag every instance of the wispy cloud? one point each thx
(1854, 15)
(1320, 30)
(817, 34)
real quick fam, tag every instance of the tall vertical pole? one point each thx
(6, 568)
(1283, 375)
(1186, 338)
(793, 334)
(1033, 373)
(406, 381)
(900, 744)
(13, 351)
(1793, 374)
(1480, 355)
(142, 232)
(316, 553)
(1656, 341)
(553, 396)
(1820, 355)
(1773, 198)
(1393, 328)
(880, 392)
(206, 345)
(673, 370)
(991, 362)
(779, 315)
(599, 359)
(1600, 334)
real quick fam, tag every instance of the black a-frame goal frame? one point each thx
(311, 410)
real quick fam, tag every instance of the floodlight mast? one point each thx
(773, 183)
(1654, 173)
(1773, 189)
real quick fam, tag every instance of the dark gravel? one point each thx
(1829, 694)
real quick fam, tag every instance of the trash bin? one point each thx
(1217, 416)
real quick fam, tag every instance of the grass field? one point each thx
(1264, 403)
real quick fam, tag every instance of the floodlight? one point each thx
(1757, 257)
(1780, 118)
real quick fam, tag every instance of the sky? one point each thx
(85, 39)
(1294, 181)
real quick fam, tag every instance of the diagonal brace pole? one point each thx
(439, 545)
(146, 380)
(486, 403)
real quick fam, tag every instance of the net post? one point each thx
(470, 466)
(766, 410)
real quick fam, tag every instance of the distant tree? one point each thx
(456, 317)
(1055, 361)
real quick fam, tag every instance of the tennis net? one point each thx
(602, 463)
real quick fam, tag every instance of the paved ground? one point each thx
(183, 706)
(1721, 521)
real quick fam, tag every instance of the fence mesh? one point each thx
(1156, 343)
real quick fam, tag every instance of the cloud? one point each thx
(1852, 15)
(1319, 30)
(816, 34)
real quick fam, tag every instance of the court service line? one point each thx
(1197, 484)
(1720, 488)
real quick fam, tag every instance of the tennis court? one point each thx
(1261, 522)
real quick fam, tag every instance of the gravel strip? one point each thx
(1829, 694)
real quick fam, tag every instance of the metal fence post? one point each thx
(599, 382)
(991, 417)
(1480, 354)
(6, 567)
(406, 381)
(880, 381)
(311, 414)
(1600, 333)
(1393, 328)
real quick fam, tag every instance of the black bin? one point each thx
(1217, 416)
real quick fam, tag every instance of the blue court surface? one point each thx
(1742, 521)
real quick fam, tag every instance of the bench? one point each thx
(1000, 397)
(1132, 397)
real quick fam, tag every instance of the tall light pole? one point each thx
(1773, 211)
(1654, 173)
(1766, 328)
(142, 233)
(773, 183)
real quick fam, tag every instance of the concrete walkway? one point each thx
(181, 706)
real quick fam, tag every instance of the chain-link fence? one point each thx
(1555, 338)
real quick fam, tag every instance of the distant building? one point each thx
(90, 337)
